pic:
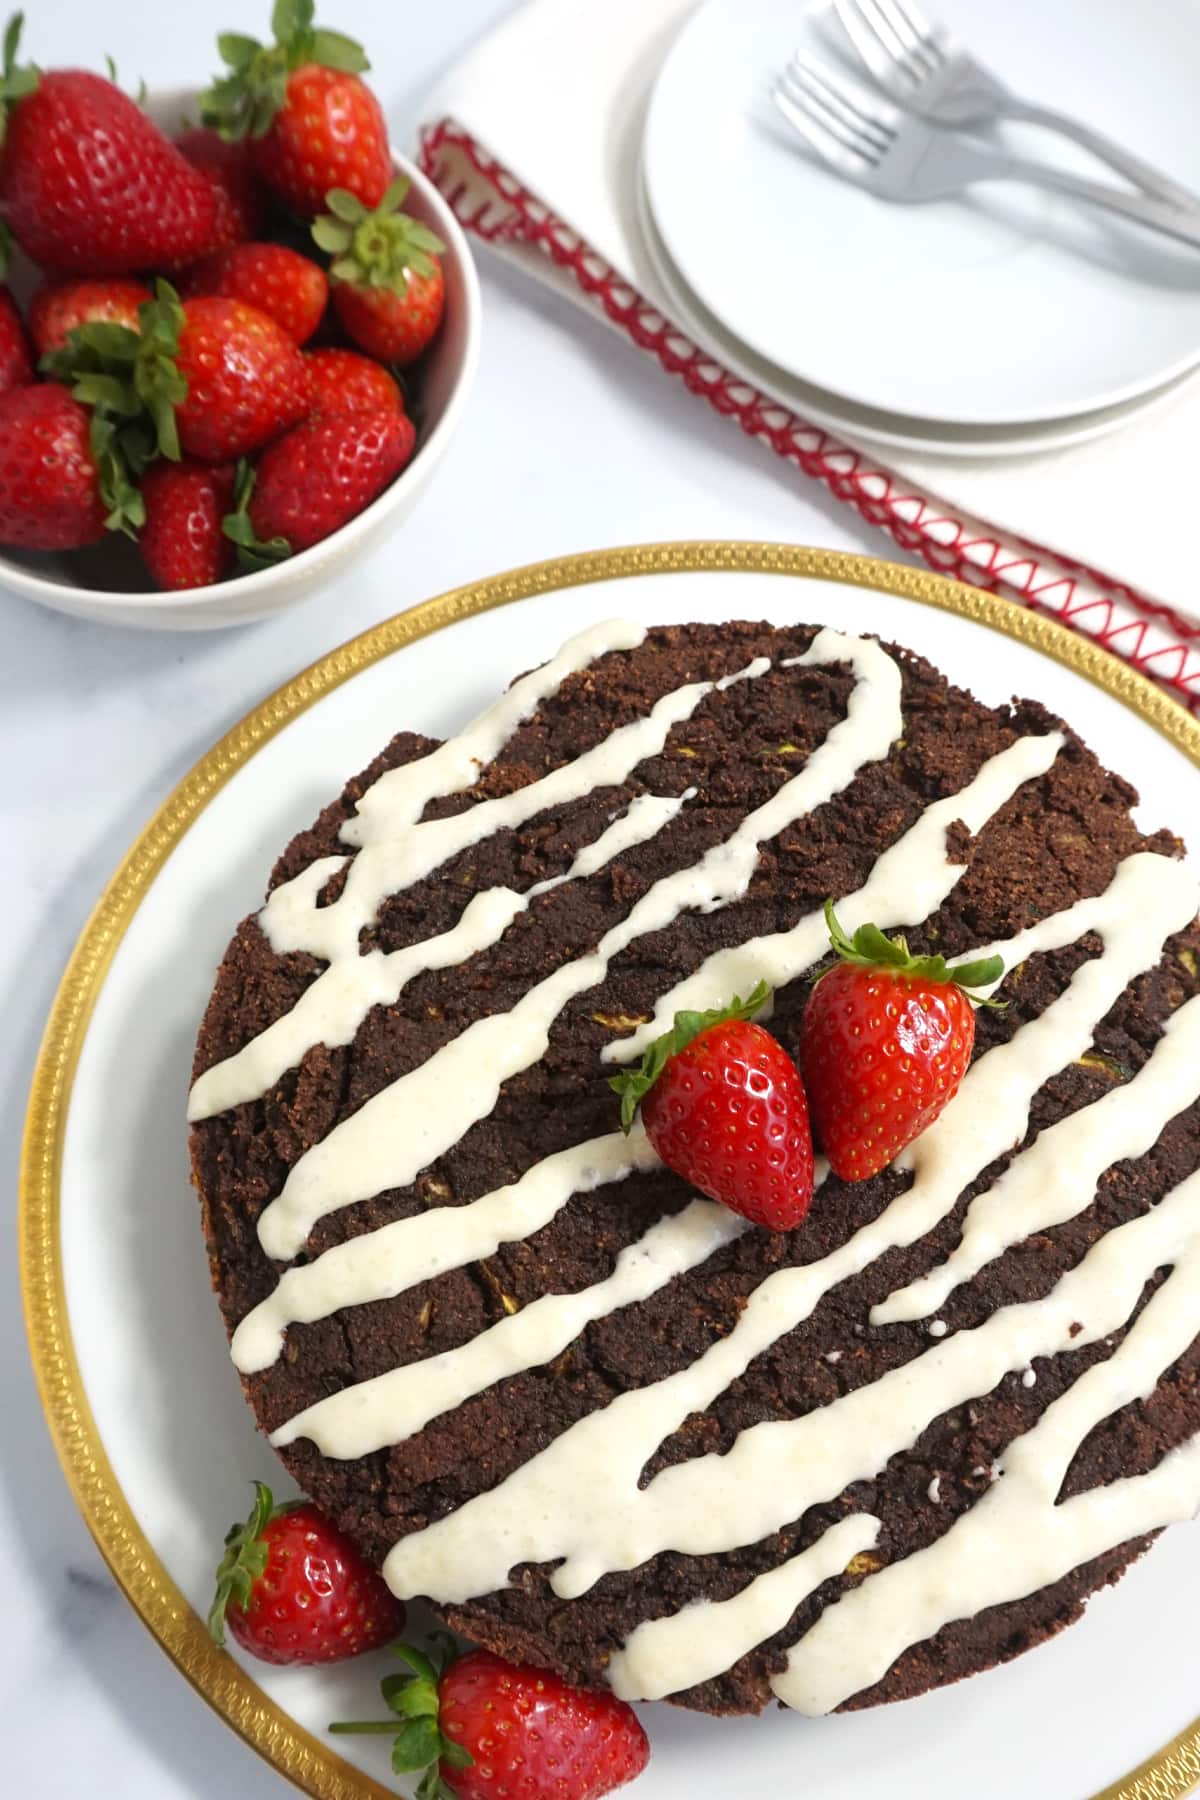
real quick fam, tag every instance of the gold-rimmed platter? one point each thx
(126, 1341)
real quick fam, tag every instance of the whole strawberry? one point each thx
(88, 184)
(342, 381)
(291, 1588)
(212, 377)
(49, 483)
(227, 169)
(182, 543)
(288, 287)
(483, 1729)
(884, 1043)
(316, 478)
(59, 307)
(312, 124)
(724, 1106)
(16, 364)
(388, 287)
(246, 379)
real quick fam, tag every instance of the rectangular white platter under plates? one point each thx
(155, 1438)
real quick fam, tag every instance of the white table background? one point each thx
(572, 440)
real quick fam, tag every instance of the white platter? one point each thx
(864, 424)
(1006, 306)
(139, 1391)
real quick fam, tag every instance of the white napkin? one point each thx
(536, 136)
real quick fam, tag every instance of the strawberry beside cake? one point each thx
(617, 1429)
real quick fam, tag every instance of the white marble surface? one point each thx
(572, 441)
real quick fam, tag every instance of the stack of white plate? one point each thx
(1003, 322)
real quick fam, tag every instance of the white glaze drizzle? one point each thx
(333, 1008)
(416, 1119)
(400, 796)
(579, 1499)
(378, 1265)
(1018, 1536)
(1057, 1176)
(292, 921)
(665, 1656)
(391, 1407)
(1071, 1154)
(910, 881)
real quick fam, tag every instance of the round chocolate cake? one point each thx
(603, 1424)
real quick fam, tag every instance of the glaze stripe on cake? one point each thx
(578, 1502)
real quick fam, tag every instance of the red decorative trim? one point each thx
(1153, 637)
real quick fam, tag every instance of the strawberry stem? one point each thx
(130, 382)
(253, 552)
(244, 103)
(871, 948)
(243, 1563)
(634, 1084)
(378, 247)
(414, 1700)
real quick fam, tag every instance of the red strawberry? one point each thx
(288, 287)
(343, 381)
(213, 377)
(181, 542)
(246, 379)
(885, 1041)
(88, 184)
(226, 167)
(16, 364)
(483, 1729)
(210, 377)
(312, 123)
(318, 477)
(387, 283)
(724, 1106)
(49, 485)
(58, 307)
(293, 1589)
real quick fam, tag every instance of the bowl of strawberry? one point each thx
(237, 331)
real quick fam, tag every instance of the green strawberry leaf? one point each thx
(376, 249)
(331, 235)
(243, 1563)
(432, 1787)
(417, 1744)
(414, 1699)
(238, 51)
(635, 1083)
(15, 83)
(346, 206)
(871, 948)
(334, 50)
(116, 468)
(253, 552)
(289, 18)
(245, 102)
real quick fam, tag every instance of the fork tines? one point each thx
(809, 96)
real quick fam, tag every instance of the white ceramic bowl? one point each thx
(99, 583)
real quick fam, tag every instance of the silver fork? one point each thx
(930, 72)
(899, 157)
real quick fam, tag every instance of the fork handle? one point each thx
(1149, 179)
(1144, 210)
